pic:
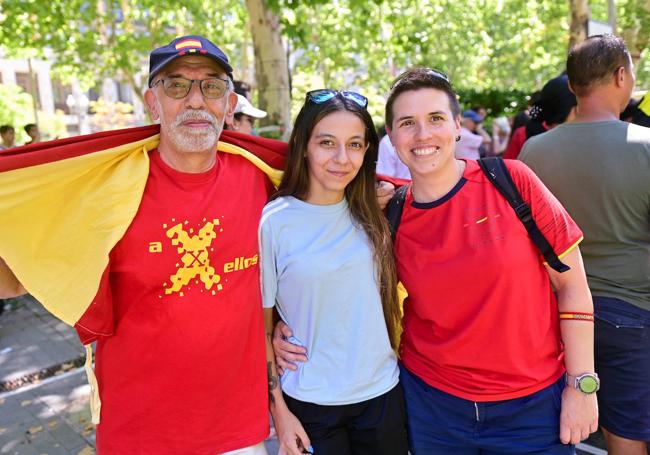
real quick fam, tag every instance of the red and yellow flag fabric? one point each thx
(66, 203)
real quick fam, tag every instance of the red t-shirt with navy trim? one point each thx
(481, 321)
(184, 371)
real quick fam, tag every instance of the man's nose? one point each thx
(195, 98)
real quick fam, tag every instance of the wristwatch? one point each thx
(586, 383)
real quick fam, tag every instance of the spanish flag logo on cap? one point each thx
(188, 43)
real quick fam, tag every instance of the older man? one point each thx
(183, 280)
(599, 168)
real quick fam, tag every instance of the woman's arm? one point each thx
(291, 435)
(579, 415)
(9, 284)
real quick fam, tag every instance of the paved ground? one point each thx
(43, 390)
(44, 393)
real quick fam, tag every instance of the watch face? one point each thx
(588, 384)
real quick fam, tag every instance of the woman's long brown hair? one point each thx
(360, 194)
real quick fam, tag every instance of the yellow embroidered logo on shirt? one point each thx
(195, 260)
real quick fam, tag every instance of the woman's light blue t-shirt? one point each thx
(318, 268)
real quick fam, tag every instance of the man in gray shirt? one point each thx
(599, 168)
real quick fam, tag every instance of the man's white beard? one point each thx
(193, 140)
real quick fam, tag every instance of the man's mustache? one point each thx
(195, 115)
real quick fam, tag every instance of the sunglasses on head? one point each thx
(323, 95)
(434, 73)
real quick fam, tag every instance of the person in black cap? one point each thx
(635, 113)
(555, 106)
(184, 279)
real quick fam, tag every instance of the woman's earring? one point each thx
(458, 138)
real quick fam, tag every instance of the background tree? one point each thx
(579, 18)
(271, 68)
(499, 48)
(15, 109)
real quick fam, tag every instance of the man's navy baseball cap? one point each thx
(186, 45)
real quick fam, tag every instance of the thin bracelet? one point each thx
(588, 317)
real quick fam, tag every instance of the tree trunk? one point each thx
(271, 68)
(611, 14)
(579, 19)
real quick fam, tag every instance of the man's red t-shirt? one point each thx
(184, 371)
(481, 322)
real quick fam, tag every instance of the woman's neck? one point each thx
(431, 187)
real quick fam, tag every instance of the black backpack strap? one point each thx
(395, 208)
(497, 173)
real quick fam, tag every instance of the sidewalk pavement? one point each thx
(44, 393)
(43, 388)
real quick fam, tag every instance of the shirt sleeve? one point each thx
(268, 270)
(551, 217)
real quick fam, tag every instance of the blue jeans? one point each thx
(442, 424)
(622, 350)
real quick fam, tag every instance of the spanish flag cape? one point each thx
(66, 203)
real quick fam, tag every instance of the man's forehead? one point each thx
(194, 62)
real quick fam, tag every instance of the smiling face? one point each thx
(194, 123)
(334, 155)
(424, 131)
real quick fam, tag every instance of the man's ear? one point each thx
(571, 88)
(150, 100)
(230, 108)
(619, 76)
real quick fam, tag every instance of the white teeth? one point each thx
(426, 151)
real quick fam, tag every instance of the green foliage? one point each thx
(16, 109)
(112, 38)
(110, 116)
(497, 102)
(52, 125)
(495, 51)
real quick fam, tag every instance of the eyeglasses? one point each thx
(323, 95)
(179, 87)
(431, 72)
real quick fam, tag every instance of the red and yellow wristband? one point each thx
(576, 316)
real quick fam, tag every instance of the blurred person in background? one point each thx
(555, 106)
(500, 135)
(245, 116)
(8, 135)
(638, 112)
(32, 131)
(469, 142)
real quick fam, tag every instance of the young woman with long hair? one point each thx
(492, 361)
(328, 269)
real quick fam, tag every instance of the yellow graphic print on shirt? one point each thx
(195, 260)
